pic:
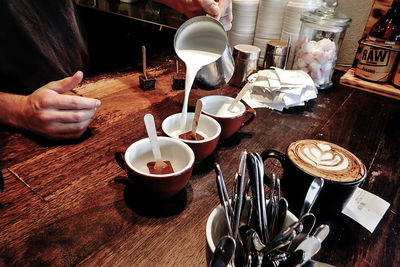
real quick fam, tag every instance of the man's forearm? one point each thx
(10, 109)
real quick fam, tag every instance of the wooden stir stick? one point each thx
(144, 62)
(199, 106)
(245, 88)
(151, 132)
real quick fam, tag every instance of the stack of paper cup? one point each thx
(292, 24)
(269, 24)
(244, 22)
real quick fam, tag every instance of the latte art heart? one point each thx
(324, 147)
(325, 158)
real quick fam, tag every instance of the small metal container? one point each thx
(275, 54)
(219, 72)
(216, 74)
(246, 58)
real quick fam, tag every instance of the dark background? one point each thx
(115, 41)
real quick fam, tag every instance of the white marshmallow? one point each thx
(315, 66)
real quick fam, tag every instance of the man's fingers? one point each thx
(66, 84)
(66, 130)
(70, 102)
(67, 116)
(221, 10)
(225, 15)
(210, 7)
(227, 22)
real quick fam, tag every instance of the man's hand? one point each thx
(221, 10)
(56, 116)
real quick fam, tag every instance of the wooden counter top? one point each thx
(93, 217)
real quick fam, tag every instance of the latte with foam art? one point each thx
(326, 160)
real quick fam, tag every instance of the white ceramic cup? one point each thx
(208, 127)
(134, 161)
(216, 106)
(216, 226)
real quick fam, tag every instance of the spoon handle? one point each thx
(199, 106)
(223, 253)
(224, 199)
(239, 96)
(239, 193)
(322, 232)
(312, 194)
(151, 131)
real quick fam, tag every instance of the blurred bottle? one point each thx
(381, 47)
(396, 75)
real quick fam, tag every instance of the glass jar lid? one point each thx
(327, 16)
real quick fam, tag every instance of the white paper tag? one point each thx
(366, 208)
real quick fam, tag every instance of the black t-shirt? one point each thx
(40, 41)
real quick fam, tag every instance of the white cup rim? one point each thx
(219, 209)
(224, 97)
(169, 139)
(203, 116)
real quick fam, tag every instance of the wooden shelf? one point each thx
(385, 89)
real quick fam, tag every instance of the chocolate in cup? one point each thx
(208, 127)
(306, 159)
(134, 160)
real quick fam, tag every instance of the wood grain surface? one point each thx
(93, 216)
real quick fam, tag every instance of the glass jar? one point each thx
(291, 26)
(320, 38)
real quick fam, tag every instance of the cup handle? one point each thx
(272, 153)
(250, 118)
(119, 156)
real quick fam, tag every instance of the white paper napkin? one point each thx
(279, 89)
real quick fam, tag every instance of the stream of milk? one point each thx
(200, 44)
(194, 60)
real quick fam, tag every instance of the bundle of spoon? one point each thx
(260, 238)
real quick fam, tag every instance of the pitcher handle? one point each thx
(272, 153)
